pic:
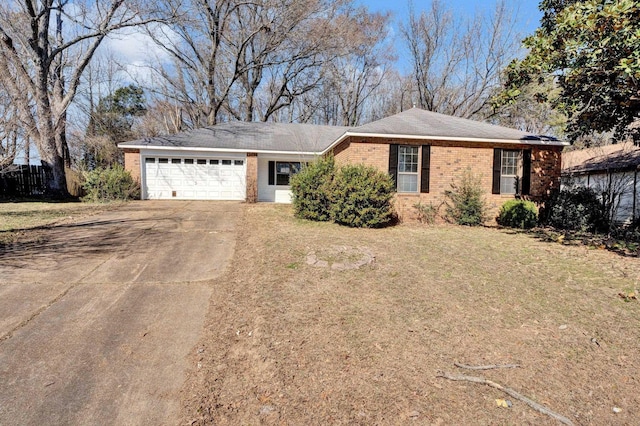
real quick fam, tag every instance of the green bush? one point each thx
(575, 209)
(361, 197)
(518, 214)
(465, 203)
(109, 184)
(310, 188)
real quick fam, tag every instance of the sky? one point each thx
(526, 13)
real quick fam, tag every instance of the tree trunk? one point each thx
(53, 162)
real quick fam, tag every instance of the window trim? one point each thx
(514, 154)
(293, 169)
(417, 165)
(522, 182)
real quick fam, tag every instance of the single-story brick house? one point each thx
(611, 171)
(424, 151)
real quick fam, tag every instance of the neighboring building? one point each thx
(424, 151)
(612, 171)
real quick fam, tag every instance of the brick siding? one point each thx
(449, 161)
(132, 163)
(252, 177)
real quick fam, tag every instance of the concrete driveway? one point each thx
(97, 317)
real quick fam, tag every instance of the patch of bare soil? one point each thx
(287, 342)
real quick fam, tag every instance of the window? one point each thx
(509, 171)
(149, 160)
(188, 161)
(409, 175)
(199, 161)
(176, 161)
(284, 171)
(226, 162)
(407, 169)
(214, 162)
(238, 162)
(163, 160)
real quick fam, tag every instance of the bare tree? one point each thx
(251, 60)
(529, 113)
(457, 65)
(12, 140)
(41, 63)
(352, 79)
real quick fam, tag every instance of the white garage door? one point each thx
(194, 178)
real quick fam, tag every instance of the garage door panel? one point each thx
(196, 178)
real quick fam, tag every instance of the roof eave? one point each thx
(444, 138)
(233, 150)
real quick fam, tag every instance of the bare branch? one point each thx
(531, 403)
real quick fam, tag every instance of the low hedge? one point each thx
(110, 184)
(353, 195)
(575, 209)
(361, 197)
(518, 214)
(311, 189)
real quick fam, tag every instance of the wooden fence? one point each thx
(24, 181)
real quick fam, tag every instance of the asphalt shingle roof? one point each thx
(255, 136)
(418, 122)
(309, 138)
(624, 156)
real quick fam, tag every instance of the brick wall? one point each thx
(546, 166)
(132, 163)
(252, 177)
(369, 153)
(449, 161)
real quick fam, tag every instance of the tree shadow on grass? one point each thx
(575, 238)
(79, 240)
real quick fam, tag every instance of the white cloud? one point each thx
(134, 46)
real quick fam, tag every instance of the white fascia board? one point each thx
(289, 156)
(230, 150)
(444, 138)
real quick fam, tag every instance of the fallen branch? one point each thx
(485, 367)
(540, 408)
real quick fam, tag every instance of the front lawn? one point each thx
(16, 217)
(287, 342)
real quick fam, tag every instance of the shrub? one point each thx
(109, 184)
(426, 213)
(518, 214)
(361, 197)
(465, 203)
(310, 188)
(574, 209)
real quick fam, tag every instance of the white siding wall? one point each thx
(621, 183)
(275, 193)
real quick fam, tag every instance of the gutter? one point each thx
(233, 150)
(352, 134)
(444, 138)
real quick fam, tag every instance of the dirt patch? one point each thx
(291, 343)
(341, 258)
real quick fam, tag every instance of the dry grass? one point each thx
(289, 343)
(20, 216)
